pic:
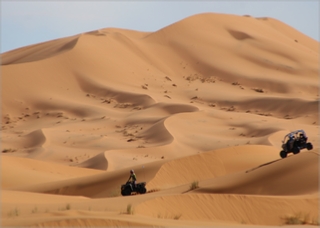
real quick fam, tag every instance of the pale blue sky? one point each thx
(29, 22)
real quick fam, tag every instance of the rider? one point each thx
(303, 136)
(290, 141)
(133, 177)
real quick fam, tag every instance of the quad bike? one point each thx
(294, 142)
(128, 188)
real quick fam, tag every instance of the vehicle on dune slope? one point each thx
(130, 187)
(294, 142)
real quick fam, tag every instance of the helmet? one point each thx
(131, 171)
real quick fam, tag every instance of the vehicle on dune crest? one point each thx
(294, 142)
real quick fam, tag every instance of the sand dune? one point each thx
(92, 184)
(211, 165)
(39, 51)
(208, 99)
(273, 178)
(240, 209)
(17, 171)
(91, 222)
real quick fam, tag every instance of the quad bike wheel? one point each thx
(309, 146)
(143, 190)
(126, 191)
(296, 150)
(283, 154)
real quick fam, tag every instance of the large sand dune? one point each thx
(207, 99)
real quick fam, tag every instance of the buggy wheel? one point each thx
(126, 191)
(295, 150)
(309, 146)
(283, 154)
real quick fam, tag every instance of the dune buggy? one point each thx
(294, 142)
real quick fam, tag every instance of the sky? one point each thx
(26, 22)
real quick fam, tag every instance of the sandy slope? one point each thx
(208, 99)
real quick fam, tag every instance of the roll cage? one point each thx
(295, 134)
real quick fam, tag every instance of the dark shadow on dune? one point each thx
(103, 91)
(99, 162)
(239, 35)
(34, 139)
(265, 164)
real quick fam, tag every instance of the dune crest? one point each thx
(97, 162)
(40, 51)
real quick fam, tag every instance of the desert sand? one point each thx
(205, 100)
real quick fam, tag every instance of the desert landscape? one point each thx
(198, 109)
